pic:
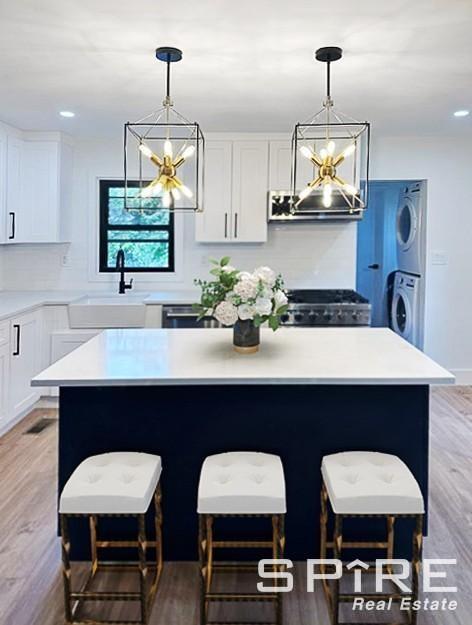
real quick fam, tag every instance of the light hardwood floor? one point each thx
(30, 580)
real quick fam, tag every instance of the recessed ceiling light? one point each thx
(461, 113)
(66, 114)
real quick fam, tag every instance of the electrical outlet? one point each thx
(439, 257)
(65, 260)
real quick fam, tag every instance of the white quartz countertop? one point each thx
(17, 302)
(205, 356)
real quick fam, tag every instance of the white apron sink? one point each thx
(108, 311)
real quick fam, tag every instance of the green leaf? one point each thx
(225, 261)
(273, 322)
(215, 272)
(282, 309)
(214, 262)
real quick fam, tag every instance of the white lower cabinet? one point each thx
(4, 369)
(25, 346)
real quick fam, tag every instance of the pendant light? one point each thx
(163, 155)
(330, 155)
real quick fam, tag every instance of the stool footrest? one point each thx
(359, 545)
(235, 596)
(241, 568)
(242, 544)
(105, 596)
(123, 544)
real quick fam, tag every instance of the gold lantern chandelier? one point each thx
(330, 156)
(163, 155)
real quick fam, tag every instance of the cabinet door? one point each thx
(24, 361)
(39, 209)
(250, 191)
(3, 186)
(14, 222)
(213, 225)
(280, 167)
(4, 370)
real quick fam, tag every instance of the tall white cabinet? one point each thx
(25, 359)
(235, 193)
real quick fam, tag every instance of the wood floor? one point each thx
(30, 580)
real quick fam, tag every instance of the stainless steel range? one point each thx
(326, 307)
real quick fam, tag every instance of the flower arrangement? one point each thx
(242, 296)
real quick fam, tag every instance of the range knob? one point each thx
(355, 315)
(340, 314)
(327, 315)
(284, 318)
(298, 316)
(313, 315)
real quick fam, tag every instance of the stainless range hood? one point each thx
(280, 209)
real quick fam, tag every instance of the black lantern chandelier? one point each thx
(163, 155)
(330, 156)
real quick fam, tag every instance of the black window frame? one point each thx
(105, 226)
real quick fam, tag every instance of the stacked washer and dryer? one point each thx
(407, 307)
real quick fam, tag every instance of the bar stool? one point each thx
(369, 484)
(239, 484)
(120, 484)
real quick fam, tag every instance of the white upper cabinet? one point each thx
(250, 189)
(213, 224)
(235, 194)
(38, 176)
(3, 185)
(280, 169)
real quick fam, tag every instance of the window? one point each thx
(145, 236)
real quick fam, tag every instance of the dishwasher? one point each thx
(183, 316)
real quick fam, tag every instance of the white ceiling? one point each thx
(248, 64)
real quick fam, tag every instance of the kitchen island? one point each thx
(185, 394)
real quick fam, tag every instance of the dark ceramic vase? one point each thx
(246, 337)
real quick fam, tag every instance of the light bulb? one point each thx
(349, 188)
(306, 152)
(168, 148)
(188, 152)
(349, 150)
(176, 194)
(186, 191)
(327, 195)
(331, 147)
(145, 150)
(166, 199)
(304, 193)
(323, 153)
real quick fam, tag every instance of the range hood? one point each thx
(281, 203)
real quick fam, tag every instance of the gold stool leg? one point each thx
(337, 547)
(209, 551)
(416, 564)
(93, 542)
(390, 541)
(323, 540)
(202, 552)
(142, 567)
(158, 531)
(278, 545)
(66, 570)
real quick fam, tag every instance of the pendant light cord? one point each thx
(168, 80)
(328, 80)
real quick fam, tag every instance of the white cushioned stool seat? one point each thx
(366, 482)
(113, 483)
(242, 482)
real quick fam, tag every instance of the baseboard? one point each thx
(42, 402)
(463, 376)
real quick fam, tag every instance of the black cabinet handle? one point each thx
(226, 225)
(16, 327)
(374, 266)
(12, 226)
(235, 225)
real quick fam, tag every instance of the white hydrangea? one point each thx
(228, 268)
(266, 275)
(246, 311)
(226, 313)
(230, 297)
(263, 306)
(280, 299)
(246, 288)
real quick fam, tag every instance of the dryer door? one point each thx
(407, 224)
(402, 320)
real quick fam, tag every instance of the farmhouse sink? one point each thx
(108, 311)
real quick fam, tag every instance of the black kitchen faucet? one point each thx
(120, 265)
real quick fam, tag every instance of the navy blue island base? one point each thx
(300, 423)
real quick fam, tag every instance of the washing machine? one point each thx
(411, 229)
(406, 313)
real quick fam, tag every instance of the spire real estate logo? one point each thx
(385, 571)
